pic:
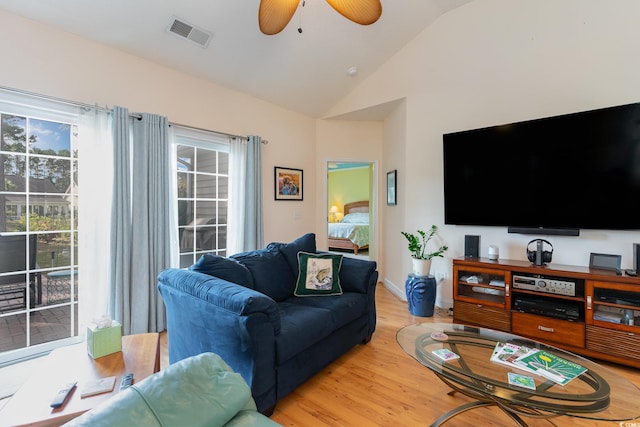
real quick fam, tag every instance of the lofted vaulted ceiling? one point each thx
(302, 71)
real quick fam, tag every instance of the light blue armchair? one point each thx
(198, 391)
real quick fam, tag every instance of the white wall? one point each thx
(43, 60)
(394, 157)
(492, 62)
(344, 140)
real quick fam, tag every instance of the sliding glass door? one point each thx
(38, 231)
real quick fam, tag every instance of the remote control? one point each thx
(127, 380)
(62, 395)
(632, 273)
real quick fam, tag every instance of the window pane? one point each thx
(14, 335)
(185, 212)
(61, 286)
(223, 163)
(14, 217)
(14, 134)
(206, 238)
(206, 161)
(46, 217)
(185, 184)
(186, 260)
(185, 158)
(223, 187)
(222, 212)
(52, 324)
(75, 249)
(49, 175)
(206, 210)
(205, 186)
(222, 238)
(54, 250)
(14, 172)
(49, 138)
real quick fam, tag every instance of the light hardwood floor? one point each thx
(378, 384)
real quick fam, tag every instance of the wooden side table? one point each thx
(140, 355)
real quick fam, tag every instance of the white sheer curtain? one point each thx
(95, 175)
(246, 230)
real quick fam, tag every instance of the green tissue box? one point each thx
(103, 341)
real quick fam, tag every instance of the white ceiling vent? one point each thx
(187, 31)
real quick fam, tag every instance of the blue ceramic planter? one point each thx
(421, 294)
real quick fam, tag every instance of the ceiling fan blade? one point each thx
(274, 15)
(362, 12)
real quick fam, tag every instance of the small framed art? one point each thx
(288, 183)
(392, 197)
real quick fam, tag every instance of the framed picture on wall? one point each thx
(288, 183)
(392, 197)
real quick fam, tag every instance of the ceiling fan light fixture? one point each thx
(274, 15)
(363, 12)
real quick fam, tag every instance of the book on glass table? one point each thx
(552, 367)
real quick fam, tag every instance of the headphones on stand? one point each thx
(539, 256)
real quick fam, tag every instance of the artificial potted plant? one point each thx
(418, 248)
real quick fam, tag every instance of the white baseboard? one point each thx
(398, 292)
(402, 295)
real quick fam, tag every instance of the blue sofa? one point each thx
(197, 391)
(244, 309)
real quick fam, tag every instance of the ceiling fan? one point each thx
(274, 15)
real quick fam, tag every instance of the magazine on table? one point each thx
(521, 380)
(507, 354)
(550, 366)
(445, 354)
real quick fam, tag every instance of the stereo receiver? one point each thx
(547, 284)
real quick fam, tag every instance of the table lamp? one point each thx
(333, 214)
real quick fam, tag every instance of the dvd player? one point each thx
(560, 309)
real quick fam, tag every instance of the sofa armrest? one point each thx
(357, 275)
(226, 295)
(208, 314)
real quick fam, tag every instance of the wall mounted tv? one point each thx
(554, 175)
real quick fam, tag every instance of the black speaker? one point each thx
(636, 261)
(472, 246)
(539, 256)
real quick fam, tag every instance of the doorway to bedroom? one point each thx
(350, 208)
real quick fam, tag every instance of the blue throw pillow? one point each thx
(224, 268)
(319, 274)
(355, 274)
(270, 272)
(306, 243)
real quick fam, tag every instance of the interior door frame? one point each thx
(373, 203)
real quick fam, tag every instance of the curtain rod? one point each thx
(105, 109)
(264, 141)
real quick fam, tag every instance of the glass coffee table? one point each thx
(596, 394)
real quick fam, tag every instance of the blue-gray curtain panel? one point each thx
(254, 225)
(136, 300)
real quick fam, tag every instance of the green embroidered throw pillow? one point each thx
(319, 274)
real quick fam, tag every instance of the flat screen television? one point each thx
(554, 175)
